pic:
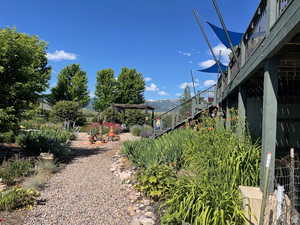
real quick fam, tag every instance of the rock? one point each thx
(135, 221)
(146, 221)
(150, 214)
(131, 211)
(146, 202)
(125, 175)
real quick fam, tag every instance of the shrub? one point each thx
(147, 131)
(136, 130)
(7, 137)
(156, 181)
(17, 198)
(134, 117)
(110, 115)
(13, 169)
(45, 140)
(68, 111)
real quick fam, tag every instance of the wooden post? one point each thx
(269, 123)
(242, 102)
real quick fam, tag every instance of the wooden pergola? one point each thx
(123, 107)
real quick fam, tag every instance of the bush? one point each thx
(13, 169)
(45, 140)
(7, 137)
(156, 181)
(136, 130)
(134, 117)
(17, 198)
(110, 115)
(68, 111)
(147, 131)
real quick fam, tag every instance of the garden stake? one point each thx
(265, 190)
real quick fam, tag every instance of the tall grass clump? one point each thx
(211, 164)
(166, 150)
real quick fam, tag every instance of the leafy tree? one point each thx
(131, 87)
(106, 89)
(71, 86)
(24, 74)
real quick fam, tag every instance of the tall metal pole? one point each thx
(197, 17)
(225, 29)
(193, 81)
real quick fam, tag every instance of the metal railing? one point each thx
(186, 110)
(257, 29)
(282, 6)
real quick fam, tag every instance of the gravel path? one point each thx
(85, 192)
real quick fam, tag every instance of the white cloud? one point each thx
(147, 79)
(185, 53)
(163, 93)
(152, 87)
(178, 94)
(59, 55)
(190, 62)
(92, 95)
(209, 83)
(207, 63)
(221, 51)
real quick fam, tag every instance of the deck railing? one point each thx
(282, 6)
(185, 111)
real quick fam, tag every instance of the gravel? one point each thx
(85, 192)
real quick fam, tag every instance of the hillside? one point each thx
(159, 105)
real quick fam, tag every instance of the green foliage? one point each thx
(71, 86)
(131, 86)
(24, 74)
(134, 117)
(146, 131)
(110, 115)
(17, 198)
(211, 165)
(136, 130)
(7, 137)
(16, 168)
(166, 150)
(68, 111)
(46, 140)
(156, 181)
(106, 89)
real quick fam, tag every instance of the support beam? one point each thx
(269, 124)
(242, 102)
(272, 13)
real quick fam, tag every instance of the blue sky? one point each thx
(157, 37)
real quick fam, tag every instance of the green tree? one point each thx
(72, 85)
(68, 112)
(131, 87)
(106, 89)
(24, 74)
